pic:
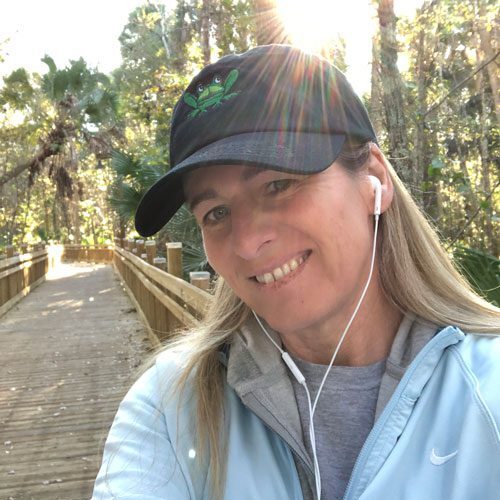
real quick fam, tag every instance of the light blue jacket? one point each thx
(437, 437)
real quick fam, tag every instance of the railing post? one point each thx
(201, 279)
(141, 248)
(162, 315)
(9, 250)
(151, 251)
(160, 263)
(174, 259)
(133, 246)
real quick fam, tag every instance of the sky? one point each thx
(69, 29)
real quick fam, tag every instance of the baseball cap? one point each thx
(273, 106)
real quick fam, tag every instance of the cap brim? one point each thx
(298, 152)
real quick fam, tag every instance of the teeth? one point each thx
(268, 278)
(280, 272)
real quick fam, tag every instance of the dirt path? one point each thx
(68, 353)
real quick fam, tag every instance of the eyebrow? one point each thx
(210, 193)
(250, 172)
(207, 194)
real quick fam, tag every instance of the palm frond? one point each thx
(481, 270)
(148, 175)
(50, 63)
(183, 227)
(124, 199)
(60, 84)
(124, 164)
(193, 259)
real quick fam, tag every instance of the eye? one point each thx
(217, 79)
(216, 215)
(279, 186)
(200, 88)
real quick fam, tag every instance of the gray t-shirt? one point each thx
(343, 418)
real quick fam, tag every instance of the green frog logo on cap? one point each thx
(211, 95)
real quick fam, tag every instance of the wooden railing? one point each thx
(88, 253)
(164, 301)
(19, 274)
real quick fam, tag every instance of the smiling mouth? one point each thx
(284, 270)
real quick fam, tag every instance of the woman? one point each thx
(277, 159)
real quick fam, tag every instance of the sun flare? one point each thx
(317, 26)
(313, 24)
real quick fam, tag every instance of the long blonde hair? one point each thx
(416, 274)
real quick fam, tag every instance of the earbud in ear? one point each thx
(377, 187)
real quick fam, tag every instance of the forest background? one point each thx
(78, 147)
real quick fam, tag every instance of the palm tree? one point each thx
(133, 178)
(85, 110)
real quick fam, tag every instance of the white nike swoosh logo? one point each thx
(440, 460)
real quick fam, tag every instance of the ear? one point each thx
(378, 167)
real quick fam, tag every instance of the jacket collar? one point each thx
(259, 377)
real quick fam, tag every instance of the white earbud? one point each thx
(377, 187)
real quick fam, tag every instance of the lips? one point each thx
(285, 269)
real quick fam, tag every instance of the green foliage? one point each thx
(84, 93)
(17, 90)
(183, 227)
(124, 199)
(435, 167)
(482, 271)
(99, 116)
(454, 157)
(133, 178)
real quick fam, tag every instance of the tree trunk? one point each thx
(270, 28)
(392, 93)
(421, 156)
(492, 240)
(55, 218)
(205, 31)
(11, 224)
(21, 167)
(486, 46)
(24, 224)
(51, 146)
(376, 105)
(75, 218)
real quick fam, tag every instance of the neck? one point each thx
(368, 340)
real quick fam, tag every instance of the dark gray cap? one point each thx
(274, 106)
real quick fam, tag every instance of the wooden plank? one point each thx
(65, 363)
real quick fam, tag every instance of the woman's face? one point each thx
(294, 248)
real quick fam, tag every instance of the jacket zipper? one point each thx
(440, 341)
(293, 448)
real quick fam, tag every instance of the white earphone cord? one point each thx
(300, 378)
(297, 373)
(372, 263)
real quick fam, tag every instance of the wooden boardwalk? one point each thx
(68, 353)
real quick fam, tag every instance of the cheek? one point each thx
(216, 254)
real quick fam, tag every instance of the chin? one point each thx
(286, 322)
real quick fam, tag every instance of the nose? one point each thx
(252, 232)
